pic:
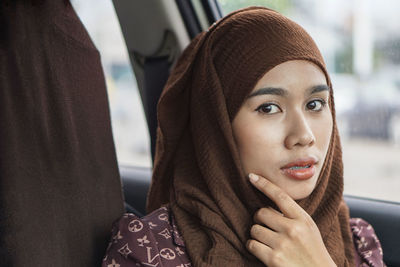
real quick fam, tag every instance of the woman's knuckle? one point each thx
(282, 244)
(259, 215)
(294, 232)
(262, 183)
(254, 230)
(276, 259)
(264, 211)
(251, 245)
(282, 196)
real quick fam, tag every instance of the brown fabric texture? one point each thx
(197, 167)
(59, 182)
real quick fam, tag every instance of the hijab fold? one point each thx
(197, 169)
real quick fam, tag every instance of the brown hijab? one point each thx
(197, 167)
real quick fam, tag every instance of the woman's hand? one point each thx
(290, 238)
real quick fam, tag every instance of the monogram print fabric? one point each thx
(154, 240)
(149, 241)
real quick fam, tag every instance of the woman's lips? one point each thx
(301, 169)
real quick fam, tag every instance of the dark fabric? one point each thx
(197, 166)
(134, 237)
(156, 71)
(59, 182)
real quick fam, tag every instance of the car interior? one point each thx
(152, 53)
(155, 34)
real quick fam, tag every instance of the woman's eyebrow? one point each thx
(318, 88)
(269, 91)
(283, 92)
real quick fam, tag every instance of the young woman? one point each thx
(248, 168)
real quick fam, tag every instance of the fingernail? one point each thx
(253, 177)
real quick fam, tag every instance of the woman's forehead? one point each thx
(294, 73)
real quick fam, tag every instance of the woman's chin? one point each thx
(300, 193)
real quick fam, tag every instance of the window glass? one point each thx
(360, 41)
(127, 116)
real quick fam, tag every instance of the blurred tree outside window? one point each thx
(127, 116)
(360, 42)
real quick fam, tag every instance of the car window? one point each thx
(127, 116)
(360, 42)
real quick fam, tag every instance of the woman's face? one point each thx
(284, 127)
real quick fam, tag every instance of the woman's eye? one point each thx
(269, 108)
(316, 105)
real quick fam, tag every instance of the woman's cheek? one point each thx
(323, 131)
(259, 148)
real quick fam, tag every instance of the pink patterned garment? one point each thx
(154, 240)
(367, 246)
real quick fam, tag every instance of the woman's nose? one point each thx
(299, 133)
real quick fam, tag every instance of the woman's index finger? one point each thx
(286, 204)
